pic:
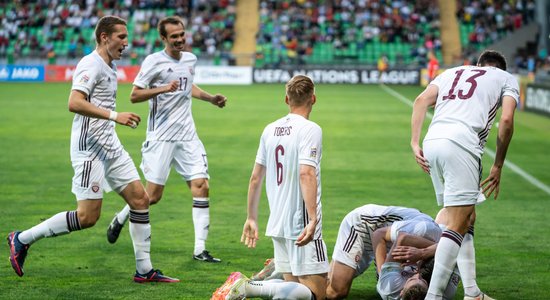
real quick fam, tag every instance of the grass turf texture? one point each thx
(366, 159)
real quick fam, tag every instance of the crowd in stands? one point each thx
(485, 22)
(52, 29)
(291, 31)
(347, 32)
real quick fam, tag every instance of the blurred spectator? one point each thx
(42, 26)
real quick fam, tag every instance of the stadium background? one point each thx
(363, 54)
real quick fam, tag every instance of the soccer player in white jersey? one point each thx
(289, 158)
(97, 156)
(353, 252)
(466, 101)
(166, 81)
(403, 279)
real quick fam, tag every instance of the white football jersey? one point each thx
(91, 138)
(467, 104)
(392, 275)
(285, 145)
(377, 216)
(170, 117)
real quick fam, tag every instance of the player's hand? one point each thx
(492, 182)
(172, 86)
(250, 233)
(408, 255)
(128, 119)
(307, 235)
(218, 100)
(420, 159)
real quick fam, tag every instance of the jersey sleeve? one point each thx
(437, 80)
(85, 76)
(426, 229)
(391, 282)
(511, 88)
(146, 74)
(261, 154)
(310, 146)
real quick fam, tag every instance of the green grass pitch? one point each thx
(366, 159)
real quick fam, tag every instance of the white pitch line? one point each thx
(530, 178)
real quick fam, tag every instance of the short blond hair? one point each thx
(299, 89)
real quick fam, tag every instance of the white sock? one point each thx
(445, 261)
(140, 231)
(201, 221)
(122, 216)
(466, 262)
(60, 224)
(278, 289)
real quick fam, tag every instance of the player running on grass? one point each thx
(166, 81)
(97, 156)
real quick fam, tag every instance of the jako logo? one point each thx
(4, 73)
(25, 73)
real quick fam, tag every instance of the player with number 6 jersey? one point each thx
(286, 144)
(289, 159)
(466, 101)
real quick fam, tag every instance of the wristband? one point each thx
(113, 115)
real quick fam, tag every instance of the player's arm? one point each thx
(379, 239)
(140, 94)
(250, 228)
(505, 131)
(78, 104)
(426, 99)
(308, 186)
(411, 248)
(218, 99)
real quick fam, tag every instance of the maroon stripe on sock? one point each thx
(452, 235)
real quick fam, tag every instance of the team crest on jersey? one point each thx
(84, 79)
(313, 153)
(357, 258)
(192, 70)
(95, 187)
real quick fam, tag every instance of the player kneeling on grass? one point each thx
(97, 156)
(353, 252)
(289, 158)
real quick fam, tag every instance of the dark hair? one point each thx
(107, 24)
(492, 58)
(174, 20)
(426, 269)
(417, 292)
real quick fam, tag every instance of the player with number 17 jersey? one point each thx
(170, 117)
(285, 145)
(467, 104)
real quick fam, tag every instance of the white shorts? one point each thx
(456, 173)
(306, 260)
(92, 178)
(188, 157)
(353, 246)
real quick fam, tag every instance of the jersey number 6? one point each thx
(280, 149)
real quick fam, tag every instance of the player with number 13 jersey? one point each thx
(467, 104)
